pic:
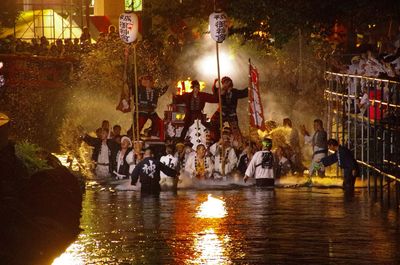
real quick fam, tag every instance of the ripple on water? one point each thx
(280, 226)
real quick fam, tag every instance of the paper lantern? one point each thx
(128, 27)
(218, 26)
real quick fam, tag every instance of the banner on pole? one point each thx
(256, 108)
(124, 103)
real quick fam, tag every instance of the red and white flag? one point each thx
(256, 108)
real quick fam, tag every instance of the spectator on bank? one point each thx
(34, 47)
(77, 47)
(44, 50)
(85, 36)
(68, 47)
(112, 33)
(60, 48)
(53, 52)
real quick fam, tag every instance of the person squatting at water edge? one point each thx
(229, 101)
(148, 172)
(345, 159)
(261, 166)
(319, 147)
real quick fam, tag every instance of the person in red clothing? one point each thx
(195, 102)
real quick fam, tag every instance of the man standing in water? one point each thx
(296, 157)
(261, 166)
(345, 159)
(104, 153)
(199, 165)
(148, 171)
(319, 146)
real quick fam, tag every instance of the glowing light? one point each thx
(212, 208)
(184, 86)
(51, 24)
(69, 257)
(67, 161)
(207, 65)
(211, 248)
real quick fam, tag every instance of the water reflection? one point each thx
(248, 226)
(212, 208)
(71, 256)
(210, 248)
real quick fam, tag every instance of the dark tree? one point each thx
(8, 13)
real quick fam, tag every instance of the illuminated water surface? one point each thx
(243, 226)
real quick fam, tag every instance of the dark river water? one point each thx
(237, 226)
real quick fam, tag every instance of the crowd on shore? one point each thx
(59, 48)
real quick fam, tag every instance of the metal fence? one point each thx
(363, 113)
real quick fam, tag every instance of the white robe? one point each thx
(170, 161)
(255, 169)
(230, 161)
(190, 167)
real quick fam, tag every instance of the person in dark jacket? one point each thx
(195, 102)
(148, 100)
(229, 100)
(148, 171)
(345, 159)
(245, 157)
(104, 153)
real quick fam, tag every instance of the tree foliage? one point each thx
(8, 13)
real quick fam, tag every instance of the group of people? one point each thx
(216, 159)
(194, 102)
(68, 47)
(116, 156)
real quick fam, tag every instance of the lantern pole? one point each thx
(131, 98)
(220, 111)
(248, 96)
(136, 94)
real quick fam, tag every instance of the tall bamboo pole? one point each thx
(220, 111)
(136, 94)
(248, 96)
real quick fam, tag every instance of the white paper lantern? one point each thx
(218, 26)
(128, 27)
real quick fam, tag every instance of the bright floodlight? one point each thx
(207, 65)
